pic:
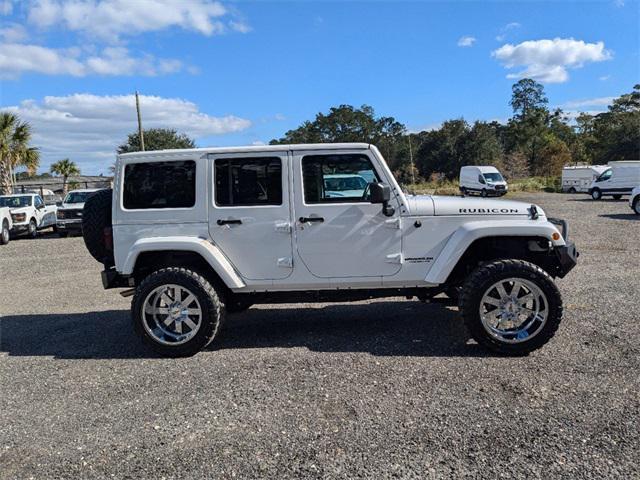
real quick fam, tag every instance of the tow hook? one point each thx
(128, 292)
(534, 212)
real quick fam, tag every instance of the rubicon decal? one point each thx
(489, 210)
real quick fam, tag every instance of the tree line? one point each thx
(534, 141)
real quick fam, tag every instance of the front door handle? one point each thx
(311, 219)
(229, 222)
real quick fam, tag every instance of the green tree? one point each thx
(483, 145)
(527, 97)
(348, 124)
(15, 150)
(157, 139)
(66, 168)
(445, 150)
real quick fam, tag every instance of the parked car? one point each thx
(29, 213)
(617, 180)
(5, 225)
(195, 234)
(579, 178)
(634, 200)
(69, 214)
(482, 180)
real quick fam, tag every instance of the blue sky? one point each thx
(234, 73)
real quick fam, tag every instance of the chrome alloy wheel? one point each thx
(171, 314)
(514, 310)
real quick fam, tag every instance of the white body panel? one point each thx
(356, 246)
(44, 215)
(624, 177)
(579, 178)
(5, 215)
(475, 179)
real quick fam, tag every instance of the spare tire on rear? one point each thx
(96, 226)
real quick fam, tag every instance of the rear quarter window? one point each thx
(170, 184)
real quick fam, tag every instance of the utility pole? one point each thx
(413, 175)
(140, 134)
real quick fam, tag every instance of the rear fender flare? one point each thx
(207, 250)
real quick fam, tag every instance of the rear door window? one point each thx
(248, 181)
(151, 185)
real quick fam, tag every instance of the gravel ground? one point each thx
(380, 389)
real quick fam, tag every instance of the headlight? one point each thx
(19, 217)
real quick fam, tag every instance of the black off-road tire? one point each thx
(5, 234)
(96, 217)
(488, 274)
(32, 229)
(212, 310)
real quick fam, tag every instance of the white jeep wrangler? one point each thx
(203, 232)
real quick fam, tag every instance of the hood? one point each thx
(447, 206)
(20, 210)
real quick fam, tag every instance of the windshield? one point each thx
(341, 184)
(77, 197)
(493, 177)
(605, 176)
(15, 202)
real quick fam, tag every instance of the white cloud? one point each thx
(13, 32)
(589, 102)
(6, 7)
(604, 78)
(549, 60)
(110, 19)
(466, 41)
(87, 128)
(504, 30)
(17, 58)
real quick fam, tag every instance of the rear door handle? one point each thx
(229, 222)
(310, 219)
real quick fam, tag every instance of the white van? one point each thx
(617, 180)
(482, 180)
(579, 178)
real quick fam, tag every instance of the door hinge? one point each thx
(394, 258)
(284, 227)
(285, 262)
(392, 223)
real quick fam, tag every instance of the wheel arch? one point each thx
(473, 244)
(197, 253)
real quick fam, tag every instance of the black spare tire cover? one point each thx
(96, 226)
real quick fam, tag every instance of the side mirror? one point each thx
(40, 207)
(381, 193)
(58, 204)
(481, 179)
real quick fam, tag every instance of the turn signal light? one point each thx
(555, 236)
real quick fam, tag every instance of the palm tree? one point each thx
(14, 150)
(65, 167)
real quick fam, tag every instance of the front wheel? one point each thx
(636, 205)
(5, 235)
(484, 192)
(596, 194)
(177, 312)
(511, 306)
(32, 229)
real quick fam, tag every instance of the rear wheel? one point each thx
(5, 235)
(636, 205)
(572, 190)
(176, 311)
(96, 226)
(617, 197)
(596, 194)
(511, 306)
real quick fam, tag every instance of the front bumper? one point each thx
(69, 225)
(567, 258)
(20, 227)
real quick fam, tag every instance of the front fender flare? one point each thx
(207, 250)
(468, 233)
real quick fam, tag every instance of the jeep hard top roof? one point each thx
(249, 149)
